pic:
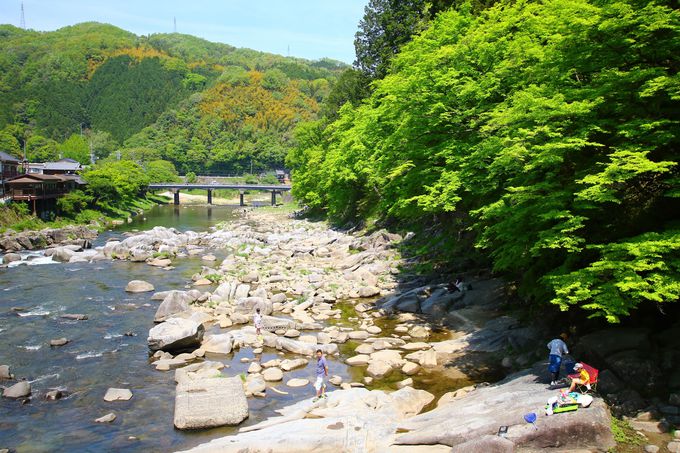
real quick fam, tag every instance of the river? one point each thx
(99, 355)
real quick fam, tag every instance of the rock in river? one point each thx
(175, 302)
(175, 333)
(114, 394)
(4, 372)
(108, 418)
(297, 382)
(210, 402)
(139, 286)
(18, 390)
(272, 374)
(58, 342)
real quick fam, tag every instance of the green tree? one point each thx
(76, 147)
(385, 27)
(9, 144)
(548, 131)
(103, 144)
(190, 177)
(352, 86)
(73, 203)
(161, 171)
(115, 184)
(41, 149)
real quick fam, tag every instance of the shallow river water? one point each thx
(100, 354)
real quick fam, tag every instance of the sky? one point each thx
(312, 29)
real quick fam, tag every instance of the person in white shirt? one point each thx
(257, 320)
(557, 348)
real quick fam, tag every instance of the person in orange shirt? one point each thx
(582, 379)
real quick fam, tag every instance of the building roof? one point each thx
(76, 178)
(68, 159)
(33, 178)
(63, 165)
(4, 157)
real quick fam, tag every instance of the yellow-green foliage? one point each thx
(548, 129)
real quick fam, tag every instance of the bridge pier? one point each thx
(241, 198)
(209, 196)
(273, 197)
(177, 197)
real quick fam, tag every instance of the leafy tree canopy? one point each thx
(547, 130)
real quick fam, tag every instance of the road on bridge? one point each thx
(176, 187)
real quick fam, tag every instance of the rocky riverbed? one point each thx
(75, 237)
(413, 356)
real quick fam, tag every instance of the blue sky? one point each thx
(312, 28)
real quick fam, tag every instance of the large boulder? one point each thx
(210, 402)
(356, 420)
(60, 254)
(483, 410)
(175, 302)
(250, 304)
(302, 348)
(138, 286)
(440, 301)
(18, 390)
(10, 258)
(175, 333)
(218, 344)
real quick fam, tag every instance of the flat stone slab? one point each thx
(297, 382)
(114, 394)
(210, 402)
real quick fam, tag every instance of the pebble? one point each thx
(673, 447)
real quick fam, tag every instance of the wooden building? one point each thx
(9, 168)
(41, 191)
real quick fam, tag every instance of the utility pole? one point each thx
(174, 20)
(23, 17)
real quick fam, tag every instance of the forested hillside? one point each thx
(541, 136)
(95, 85)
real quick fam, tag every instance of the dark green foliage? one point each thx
(385, 27)
(548, 130)
(73, 203)
(124, 96)
(352, 86)
(104, 80)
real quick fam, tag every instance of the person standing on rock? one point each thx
(321, 374)
(557, 348)
(257, 320)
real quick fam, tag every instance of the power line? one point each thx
(23, 17)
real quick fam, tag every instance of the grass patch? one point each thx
(624, 434)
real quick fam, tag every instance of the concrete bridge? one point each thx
(176, 187)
